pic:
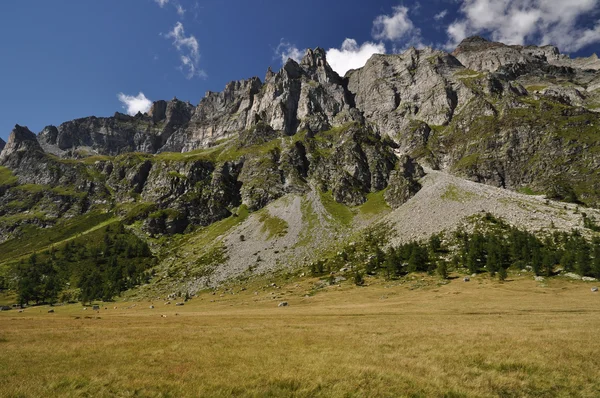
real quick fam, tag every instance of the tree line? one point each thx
(98, 266)
(493, 247)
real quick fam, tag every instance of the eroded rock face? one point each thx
(2, 144)
(118, 134)
(496, 114)
(21, 139)
(392, 90)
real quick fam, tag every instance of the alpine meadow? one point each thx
(414, 216)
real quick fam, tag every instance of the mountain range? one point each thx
(271, 174)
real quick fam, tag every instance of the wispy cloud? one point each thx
(527, 21)
(162, 3)
(180, 10)
(441, 15)
(286, 50)
(188, 49)
(136, 104)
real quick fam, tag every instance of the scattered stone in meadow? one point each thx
(466, 279)
(573, 276)
(163, 316)
(50, 311)
(539, 278)
(151, 307)
(588, 279)
(85, 308)
(96, 308)
(167, 303)
(473, 275)
(178, 304)
(283, 304)
(594, 289)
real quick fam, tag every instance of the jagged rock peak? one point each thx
(158, 111)
(314, 58)
(475, 43)
(270, 74)
(20, 139)
(2, 144)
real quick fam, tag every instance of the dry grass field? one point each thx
(412, 337)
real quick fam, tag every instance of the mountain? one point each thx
(277, 172)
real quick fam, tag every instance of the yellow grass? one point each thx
(409, 338)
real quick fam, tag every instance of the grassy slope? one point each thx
(412, 337)
(37, 239)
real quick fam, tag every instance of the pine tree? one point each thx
(582, 257)
(502, 273)
(442, 268)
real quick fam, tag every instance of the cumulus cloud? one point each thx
(441, 15)
(188, 50)
(136, 104)
(161, 3)
(527, 21)
(397, 26)
(285, 50)
(352, 56)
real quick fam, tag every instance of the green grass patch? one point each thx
(37, 239)
(272, 226)
(453, 193)
(7, 178)
(535, 88)
(375, 204)
(528, 191)
(32, 188)
(235, 152)
(310, 220)
(338, 211)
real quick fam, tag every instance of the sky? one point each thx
(67, 59)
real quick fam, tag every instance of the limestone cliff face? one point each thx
(393, 90)
(118, 134)
(510, 116)
(21, 140)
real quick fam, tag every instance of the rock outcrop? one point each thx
(21, 140)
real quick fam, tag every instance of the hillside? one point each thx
(279, 173)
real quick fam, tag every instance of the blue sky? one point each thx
(68, 59)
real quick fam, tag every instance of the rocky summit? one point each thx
(270, 173)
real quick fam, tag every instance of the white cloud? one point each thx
(394, 27)
(285, 50)
(397, 28)
(188, 49)
(441, 15)
(133, 105)
(180, 10)
(527, 21)
(161, 3)
(352, 56)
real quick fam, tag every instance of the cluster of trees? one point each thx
(97, 266)
(493, 249)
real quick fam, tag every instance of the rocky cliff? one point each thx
(516, 117)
